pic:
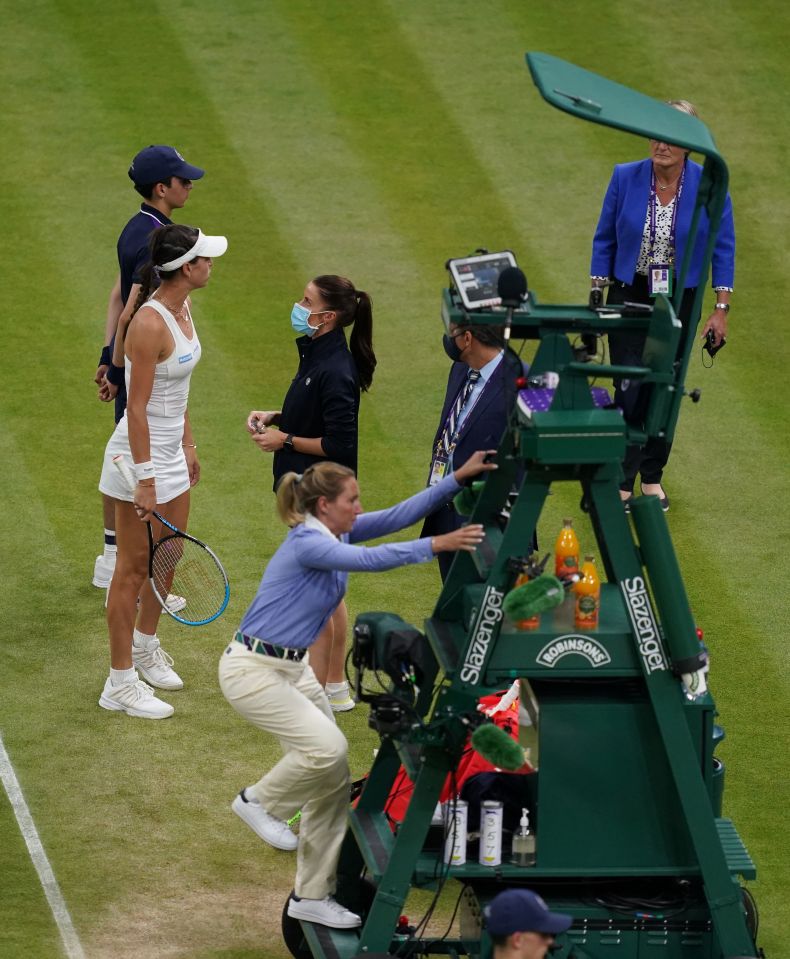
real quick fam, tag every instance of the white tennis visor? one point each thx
(204, 246)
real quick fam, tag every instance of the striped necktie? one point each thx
(451, 427)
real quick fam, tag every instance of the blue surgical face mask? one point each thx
(300, 320)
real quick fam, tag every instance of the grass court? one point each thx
(372, 139)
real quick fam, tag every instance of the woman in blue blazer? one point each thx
(642, 230)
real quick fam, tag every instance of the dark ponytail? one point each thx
(166, 243)
(352, 307)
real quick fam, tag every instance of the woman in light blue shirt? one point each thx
(264, 673)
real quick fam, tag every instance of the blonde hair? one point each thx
(298, 493)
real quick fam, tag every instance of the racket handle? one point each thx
(120, 463)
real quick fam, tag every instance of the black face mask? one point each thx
(451, 347)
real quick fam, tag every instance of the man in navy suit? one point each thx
(474, 415)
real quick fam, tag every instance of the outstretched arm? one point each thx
(417, 507)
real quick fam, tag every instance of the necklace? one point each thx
(177, 311)
(666, 186)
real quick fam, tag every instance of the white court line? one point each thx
(57, 904)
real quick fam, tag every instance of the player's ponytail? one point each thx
(352, 307)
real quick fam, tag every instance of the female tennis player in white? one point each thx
(161, 349)
(265, 677)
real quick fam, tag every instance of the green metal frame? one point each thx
(662, 818)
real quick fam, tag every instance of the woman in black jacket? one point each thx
(319, 420)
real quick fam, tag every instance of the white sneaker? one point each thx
(326, 912)
(156, 666)
(135, 699)
(175, 603)
(270, 829)
(341, 700)
(103, 569)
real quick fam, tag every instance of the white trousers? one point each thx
(285, 699)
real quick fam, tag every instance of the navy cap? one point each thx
(520, 910)
(155, 164)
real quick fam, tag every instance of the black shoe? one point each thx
(627, 503)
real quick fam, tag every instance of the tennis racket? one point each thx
(179, 563)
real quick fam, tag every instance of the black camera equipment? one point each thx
(710, 344)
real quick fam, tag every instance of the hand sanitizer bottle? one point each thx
(523, 849)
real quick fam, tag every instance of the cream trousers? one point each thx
(285, 699)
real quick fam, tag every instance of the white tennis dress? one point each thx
(165, 411)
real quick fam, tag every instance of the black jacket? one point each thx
(322, 400)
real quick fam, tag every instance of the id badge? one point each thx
(438, 469)
(660, 279)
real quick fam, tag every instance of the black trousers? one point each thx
(625, 349)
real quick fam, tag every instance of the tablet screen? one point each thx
(476, 277)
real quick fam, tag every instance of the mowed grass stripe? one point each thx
(540, 162)
(293, 150)
(397, 123)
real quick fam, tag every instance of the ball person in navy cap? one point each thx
(163, 178)
(521, 925)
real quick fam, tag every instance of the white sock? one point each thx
(110, 549)
(336, 687)
(118, 677)
(142, 640)
(247, 795)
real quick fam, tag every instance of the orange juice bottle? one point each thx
(588, 596)
(566, 551)
(534, 621)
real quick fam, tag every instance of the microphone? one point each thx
(541, 381)
(536, 596)
(500, 749)
(511, 287)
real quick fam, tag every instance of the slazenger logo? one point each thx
(584, 646)
(490, 614)
(644, 624)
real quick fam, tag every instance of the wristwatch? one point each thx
(723, 306)
(288, 442)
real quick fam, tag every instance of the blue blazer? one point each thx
(618, 236)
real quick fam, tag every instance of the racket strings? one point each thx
(185, 568)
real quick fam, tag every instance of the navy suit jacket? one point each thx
(618, 236)
(481, 430)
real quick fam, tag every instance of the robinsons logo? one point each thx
(490, 614)
(563, 646)
(639, 609)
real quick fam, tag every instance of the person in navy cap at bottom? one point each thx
(521, 925)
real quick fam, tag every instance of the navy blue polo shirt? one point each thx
(133, 251)
(133, 254)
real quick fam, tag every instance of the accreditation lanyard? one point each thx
(660, 275)
(445, 446)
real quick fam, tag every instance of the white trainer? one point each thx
(103, 569)
(340, 700)
(268, 827)
(326, 912)
(156, 666)
(175, 603)
(135, 699)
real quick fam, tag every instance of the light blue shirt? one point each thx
(307, 576)
(486, 373)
